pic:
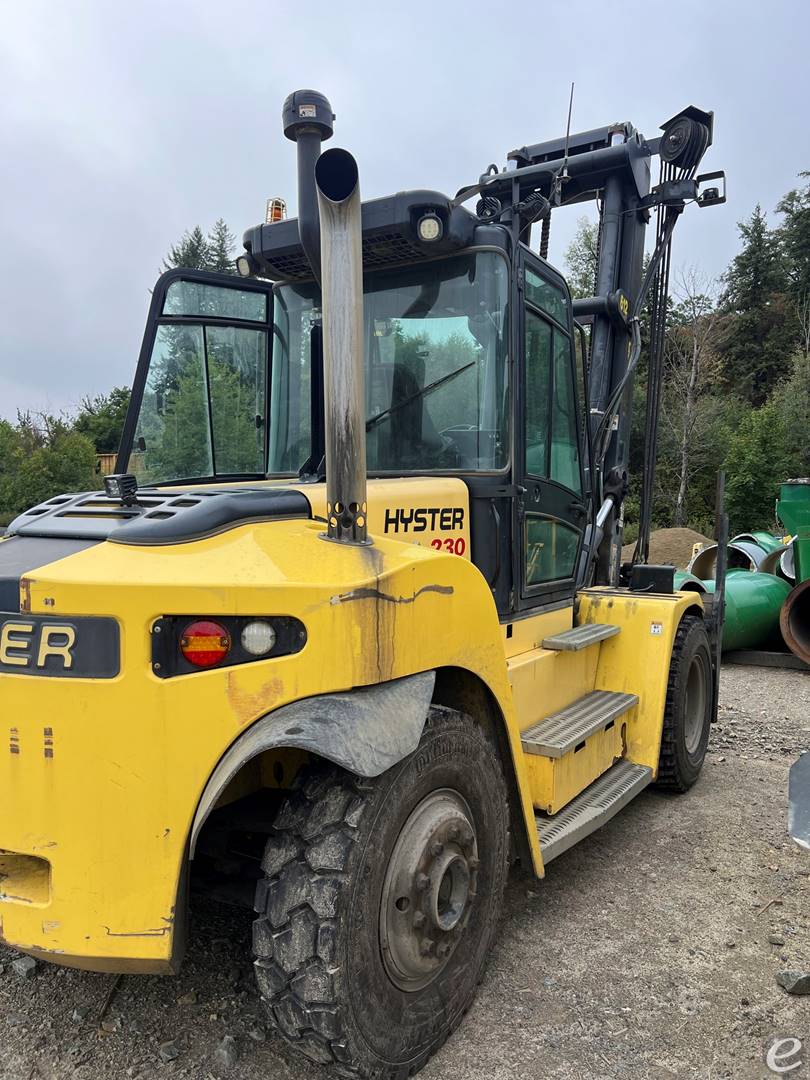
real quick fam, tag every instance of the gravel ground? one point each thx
(650, 950)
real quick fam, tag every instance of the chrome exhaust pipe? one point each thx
(338, 188)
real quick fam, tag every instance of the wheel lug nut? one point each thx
(426, 948)
(443, 949)
(422, 882)
(419, 920)
(436, 848)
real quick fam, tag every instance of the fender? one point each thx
(366, 731)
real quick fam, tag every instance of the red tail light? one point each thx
(205, 643)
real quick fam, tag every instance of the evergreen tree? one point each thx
(196, 251)
(192, 252)
(795, 238)
(757, 272)
(757, 336)
(758, 459)
(221, 243)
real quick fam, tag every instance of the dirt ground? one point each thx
(650, 950)
(669, 547)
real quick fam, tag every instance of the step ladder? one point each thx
(580, 637)
(591, 809)
(564, 731)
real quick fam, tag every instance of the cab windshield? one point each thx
(436, 372)
(227, 392)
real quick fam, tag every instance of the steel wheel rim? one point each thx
(695, 705)
(429, 889)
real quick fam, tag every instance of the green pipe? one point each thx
(686, 582)
(793, 510)
(767, 541)
(753, 604)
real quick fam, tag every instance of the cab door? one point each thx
(551, 504)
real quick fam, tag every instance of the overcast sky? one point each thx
(123, 124)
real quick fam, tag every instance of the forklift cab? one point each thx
(470, 372)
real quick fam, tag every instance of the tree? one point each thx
(101, 419)
(581, 259)
(795, 239)
(41, 457)
(688, 409)
(221, 242)
(794, 236)
(758, 459)
(192, 252)
(791, 398)
(196, 251)
(757, 335)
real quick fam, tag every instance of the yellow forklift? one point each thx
(348, 631)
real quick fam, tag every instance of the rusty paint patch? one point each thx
(375, 594)
(249, 705)
(25, 595)
(14, 741)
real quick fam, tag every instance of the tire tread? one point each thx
(296, 932)
(669, 776)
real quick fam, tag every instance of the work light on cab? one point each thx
(205, 643)
(430, 228)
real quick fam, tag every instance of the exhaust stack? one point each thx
(338, 189)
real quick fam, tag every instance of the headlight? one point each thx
(430, 228)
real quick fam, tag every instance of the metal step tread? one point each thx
(561, 732)
(580, 637)
(592, 809)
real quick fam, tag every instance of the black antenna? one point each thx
(562, 174)
(568, 131)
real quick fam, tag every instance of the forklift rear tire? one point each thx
(688, 710)
(380, 902)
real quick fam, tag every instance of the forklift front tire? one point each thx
(380, 902)
(688, 709)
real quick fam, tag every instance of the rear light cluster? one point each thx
(205, 643)
(182, 644)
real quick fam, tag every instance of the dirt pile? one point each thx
(670, 547)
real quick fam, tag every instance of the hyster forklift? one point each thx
(348, 632)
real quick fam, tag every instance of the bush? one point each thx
(41, 457)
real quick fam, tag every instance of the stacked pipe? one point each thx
(793, 510)
(768, 579)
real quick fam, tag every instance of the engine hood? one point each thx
(157, 516)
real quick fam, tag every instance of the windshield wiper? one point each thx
(374, 420)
